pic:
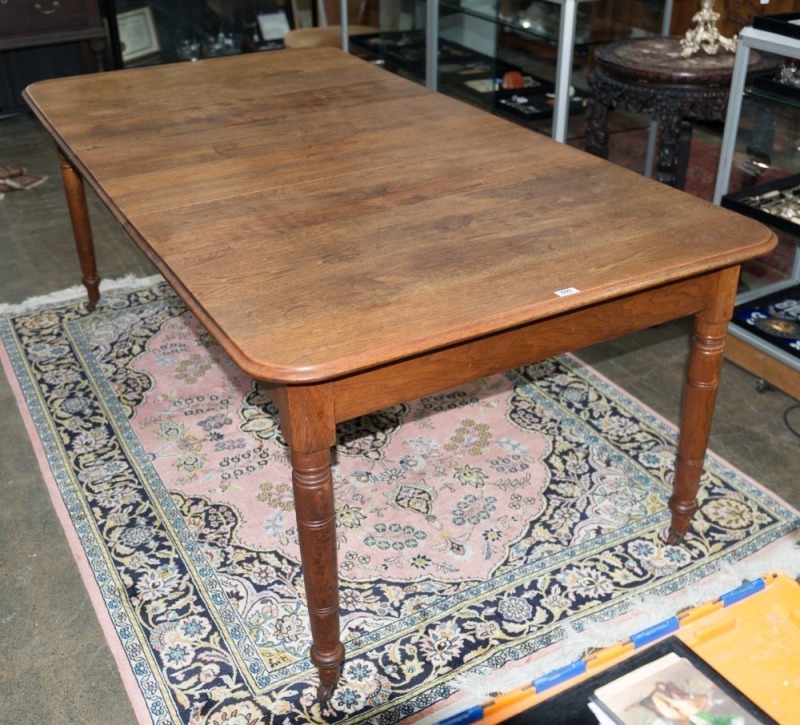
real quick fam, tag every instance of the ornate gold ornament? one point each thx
(704, 36)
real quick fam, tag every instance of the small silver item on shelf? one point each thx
(783, 203)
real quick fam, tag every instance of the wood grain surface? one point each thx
(322, 216)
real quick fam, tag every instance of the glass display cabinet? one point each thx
(524, 59)
(166, 31)
(759, 176)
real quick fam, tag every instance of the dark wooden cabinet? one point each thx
(32, 23)
(47, 38)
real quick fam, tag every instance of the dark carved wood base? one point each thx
(649, 76)
(674, 107)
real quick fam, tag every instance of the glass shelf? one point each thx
(523, 18)
(771, 90)
(168, 31)
(759, 176)
(549, 43)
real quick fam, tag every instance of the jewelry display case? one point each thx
(524, 59)
(165, 31)
(759, 176)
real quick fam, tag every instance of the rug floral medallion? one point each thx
(472, 525)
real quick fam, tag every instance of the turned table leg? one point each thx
(81, 227)
(699, 396)
(308, 424)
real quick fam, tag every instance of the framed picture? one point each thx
(666, 682)
(138, 37)
(672, 689)
(273, 26)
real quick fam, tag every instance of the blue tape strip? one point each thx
(640, 639)
(474, 714)
(743, 591)
(556, 677)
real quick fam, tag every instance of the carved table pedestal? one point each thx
(649, 76)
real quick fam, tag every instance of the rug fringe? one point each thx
(644, 612)
(129, 281)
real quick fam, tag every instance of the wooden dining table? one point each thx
(353, 241)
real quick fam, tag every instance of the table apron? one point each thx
(405, 380)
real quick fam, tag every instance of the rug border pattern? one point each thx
(144, 668)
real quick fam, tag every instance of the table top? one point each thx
(322, 216)
(659, 60)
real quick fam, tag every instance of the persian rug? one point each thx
(476, 528)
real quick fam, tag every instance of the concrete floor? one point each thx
(55, 666)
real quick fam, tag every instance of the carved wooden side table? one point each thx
(649, 76)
